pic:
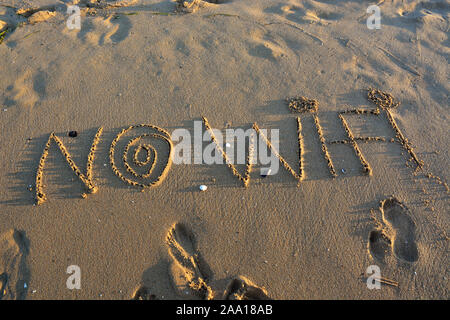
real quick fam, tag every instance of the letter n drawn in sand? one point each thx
(87, 178)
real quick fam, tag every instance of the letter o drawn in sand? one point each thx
(140, 165)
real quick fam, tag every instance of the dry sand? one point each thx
(233, 62)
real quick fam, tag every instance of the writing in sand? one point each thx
(142, 166)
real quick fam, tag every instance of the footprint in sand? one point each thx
(263, 45)
(397, 234)
(242, 288)
(187, 269)
(191, 6)
(143, 293)
(24, 91)
(396, 215)
(190, 274)
(379, 244)
(13, 269)
(3, 284)
(102, 30)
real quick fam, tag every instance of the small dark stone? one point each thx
(265, 173)
(73, 134)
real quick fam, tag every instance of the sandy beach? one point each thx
(363, 152)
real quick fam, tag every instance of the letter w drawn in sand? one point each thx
(246, 177)
(86, 179)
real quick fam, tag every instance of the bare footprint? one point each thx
(3, 284)
(191, 6)
(13, 269)
(100, 30)
(143, 293)
(23, 92)
(379, 244)
(242, 288)
(395, 214)
(187, 270)
(306, 13)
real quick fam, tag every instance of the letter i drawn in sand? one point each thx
(302, 104)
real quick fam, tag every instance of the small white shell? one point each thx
(203, 187)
